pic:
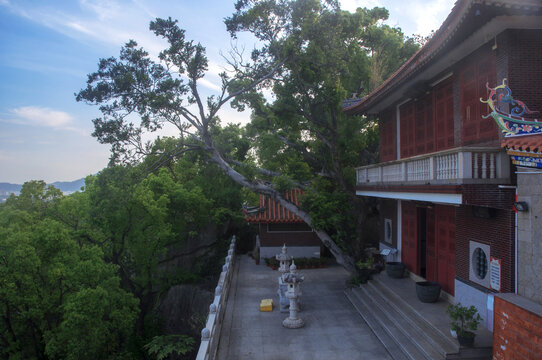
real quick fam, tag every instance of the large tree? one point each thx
(302, 42)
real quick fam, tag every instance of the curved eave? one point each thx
(470, 24)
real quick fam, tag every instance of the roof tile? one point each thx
(531, 143)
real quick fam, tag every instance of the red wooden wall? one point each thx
(388, 136)
(427, 124)
(444, 115)
(407, 119)
(474, 75)
(424, 134)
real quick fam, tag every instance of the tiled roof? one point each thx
(271, 212)
(452, 30)
(530, 143)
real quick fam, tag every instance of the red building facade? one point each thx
(445, 185)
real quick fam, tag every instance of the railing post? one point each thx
(492, 165)
(484, 165)
(432, 168)
(475, 166)
(465, 165)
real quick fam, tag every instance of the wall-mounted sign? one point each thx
(495, 273)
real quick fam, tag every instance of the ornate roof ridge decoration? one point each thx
(512, 121)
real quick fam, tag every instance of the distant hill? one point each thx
(67, 187)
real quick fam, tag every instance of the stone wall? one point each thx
(295, 251)
(468, 294)
(530, 236)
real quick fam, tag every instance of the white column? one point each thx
(399, 220)
(484, 166)
(475, 155)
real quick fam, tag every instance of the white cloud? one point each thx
(43, 116)
(209, 84)
(429, 15)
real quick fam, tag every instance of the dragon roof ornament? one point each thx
(509, 114)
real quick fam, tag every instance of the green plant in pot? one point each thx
(365, 269)
(464, 321)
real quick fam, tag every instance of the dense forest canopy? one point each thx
(84, 275)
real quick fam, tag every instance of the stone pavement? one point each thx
(333, 329)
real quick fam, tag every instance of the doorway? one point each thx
(422, 241)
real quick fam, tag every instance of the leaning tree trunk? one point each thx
(343, 259)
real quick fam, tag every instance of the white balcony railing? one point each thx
(454, 166)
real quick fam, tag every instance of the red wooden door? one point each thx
(445, 243)
(409, 240)
(431, 250)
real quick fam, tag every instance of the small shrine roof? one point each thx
(270, 211)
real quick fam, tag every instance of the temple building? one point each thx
(448, 176)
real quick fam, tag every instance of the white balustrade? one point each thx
(453, 166)
(213, 326)
(391, 173)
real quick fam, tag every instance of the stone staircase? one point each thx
(402, 329)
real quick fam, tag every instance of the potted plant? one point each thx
(428, 291)
(464, 321)
(395, 269)
(365, 269)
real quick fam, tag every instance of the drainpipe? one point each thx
(515, 236)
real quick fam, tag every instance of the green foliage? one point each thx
(367, 264)
(81, 274)
(161, 347)
(59, 298)
(463, 319)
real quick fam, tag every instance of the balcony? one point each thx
(467, 165)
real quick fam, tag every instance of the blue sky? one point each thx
(48, 47)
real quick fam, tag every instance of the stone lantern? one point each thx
(293, 279)
(284, 260)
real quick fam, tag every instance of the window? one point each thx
(388, 231)
(480, 263)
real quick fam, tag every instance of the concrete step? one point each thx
(408, 330)
(431, 320)
(434, 342)
(411, 334)
(381, 333)
(404, 335)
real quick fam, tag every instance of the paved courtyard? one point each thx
(333, 329)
